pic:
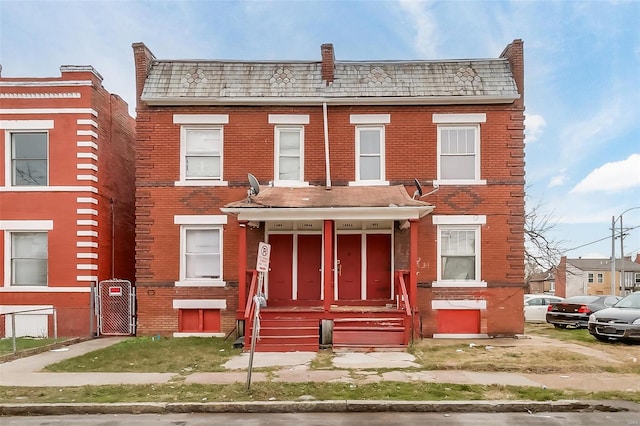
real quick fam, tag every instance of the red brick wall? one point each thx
(115, 181)
(410, 153)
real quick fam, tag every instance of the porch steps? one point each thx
(285, 334)
(369, 333)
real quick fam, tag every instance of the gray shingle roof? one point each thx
(220, 81)
(604, 264)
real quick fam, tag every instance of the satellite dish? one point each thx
(418, 192)
(255, 185)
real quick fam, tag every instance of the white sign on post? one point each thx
(264, 251)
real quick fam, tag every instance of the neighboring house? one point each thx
(356, 258)
(593, 276)
(66, 199)
(542, 282)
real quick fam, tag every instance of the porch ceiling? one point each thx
(339, 202)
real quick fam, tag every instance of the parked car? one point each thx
(535, 306)
(620, 322)
(574, 311)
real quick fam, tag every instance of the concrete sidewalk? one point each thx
(348, 367)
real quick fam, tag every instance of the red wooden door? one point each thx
(309, 266)
(280, 270)
(349, 266)
(378, 266)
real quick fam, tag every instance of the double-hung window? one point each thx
(590, 277)
(370, 153)
(288, 158)
(458, 253)
(289, 165)
(201, 249)
(201, 149)
(29, 258)
(370, 148)
(458, 142)
(459, 250)
(26, 161)
(600, 278)
(203, 153)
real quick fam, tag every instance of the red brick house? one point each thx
(359, 255)
(66, 199)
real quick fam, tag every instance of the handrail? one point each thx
(252, 292)
(405, 295)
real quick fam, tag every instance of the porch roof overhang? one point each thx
(335, 203)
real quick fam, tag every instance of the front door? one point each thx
(349, 266)
(378, 266)
(309, 266)
(280, 270)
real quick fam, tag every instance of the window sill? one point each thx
(197, 334)
(290, 184)
(201, 283)
(201, 183)
(458, 284)
(445, 182)
(369, 183)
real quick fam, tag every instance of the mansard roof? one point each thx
(371, 82)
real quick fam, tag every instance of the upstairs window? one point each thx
(458, 146)
(458, 152)
(590, 277)
(370, 153)
(289, 164)
(202, 153)
(600, 278)
(29, 258)
(29, 158)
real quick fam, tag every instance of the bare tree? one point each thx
(542, 252)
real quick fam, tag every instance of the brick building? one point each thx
(66, 199)
(391, 194)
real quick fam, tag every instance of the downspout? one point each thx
(326, 145)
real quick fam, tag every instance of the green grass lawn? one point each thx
(24, 343)
(149, 355)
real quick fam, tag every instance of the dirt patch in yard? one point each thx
(532, 353)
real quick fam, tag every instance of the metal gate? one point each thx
(115, 305)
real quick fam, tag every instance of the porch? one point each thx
(361, 325)
(342, 270)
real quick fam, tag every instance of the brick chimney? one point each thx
(514, 53)
(328, 63)
(143, 59)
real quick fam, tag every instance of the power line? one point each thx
(608, 237)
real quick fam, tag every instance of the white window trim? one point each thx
(455, 223)
(459, 118)
(465, 304)
(370, 119)
(382, 180)
(477, 163)
(199, 304)
(293, 119)
(200, 222)
(28, 126)
(276, 163)
(183, 152)
(10, 226)
(200, 119)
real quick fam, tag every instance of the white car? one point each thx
(535, 306)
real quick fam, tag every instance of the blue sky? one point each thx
(582, 72)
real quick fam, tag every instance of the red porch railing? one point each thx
(250, 305)
(404, 303)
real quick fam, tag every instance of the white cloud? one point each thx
(534, 125)
(426, 38)
(558, 180)
(614, 176)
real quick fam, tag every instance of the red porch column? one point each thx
(242, 267)
(327, 268)
(413, 264)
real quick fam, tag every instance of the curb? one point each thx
(338, 406)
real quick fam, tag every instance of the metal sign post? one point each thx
(262, 266)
